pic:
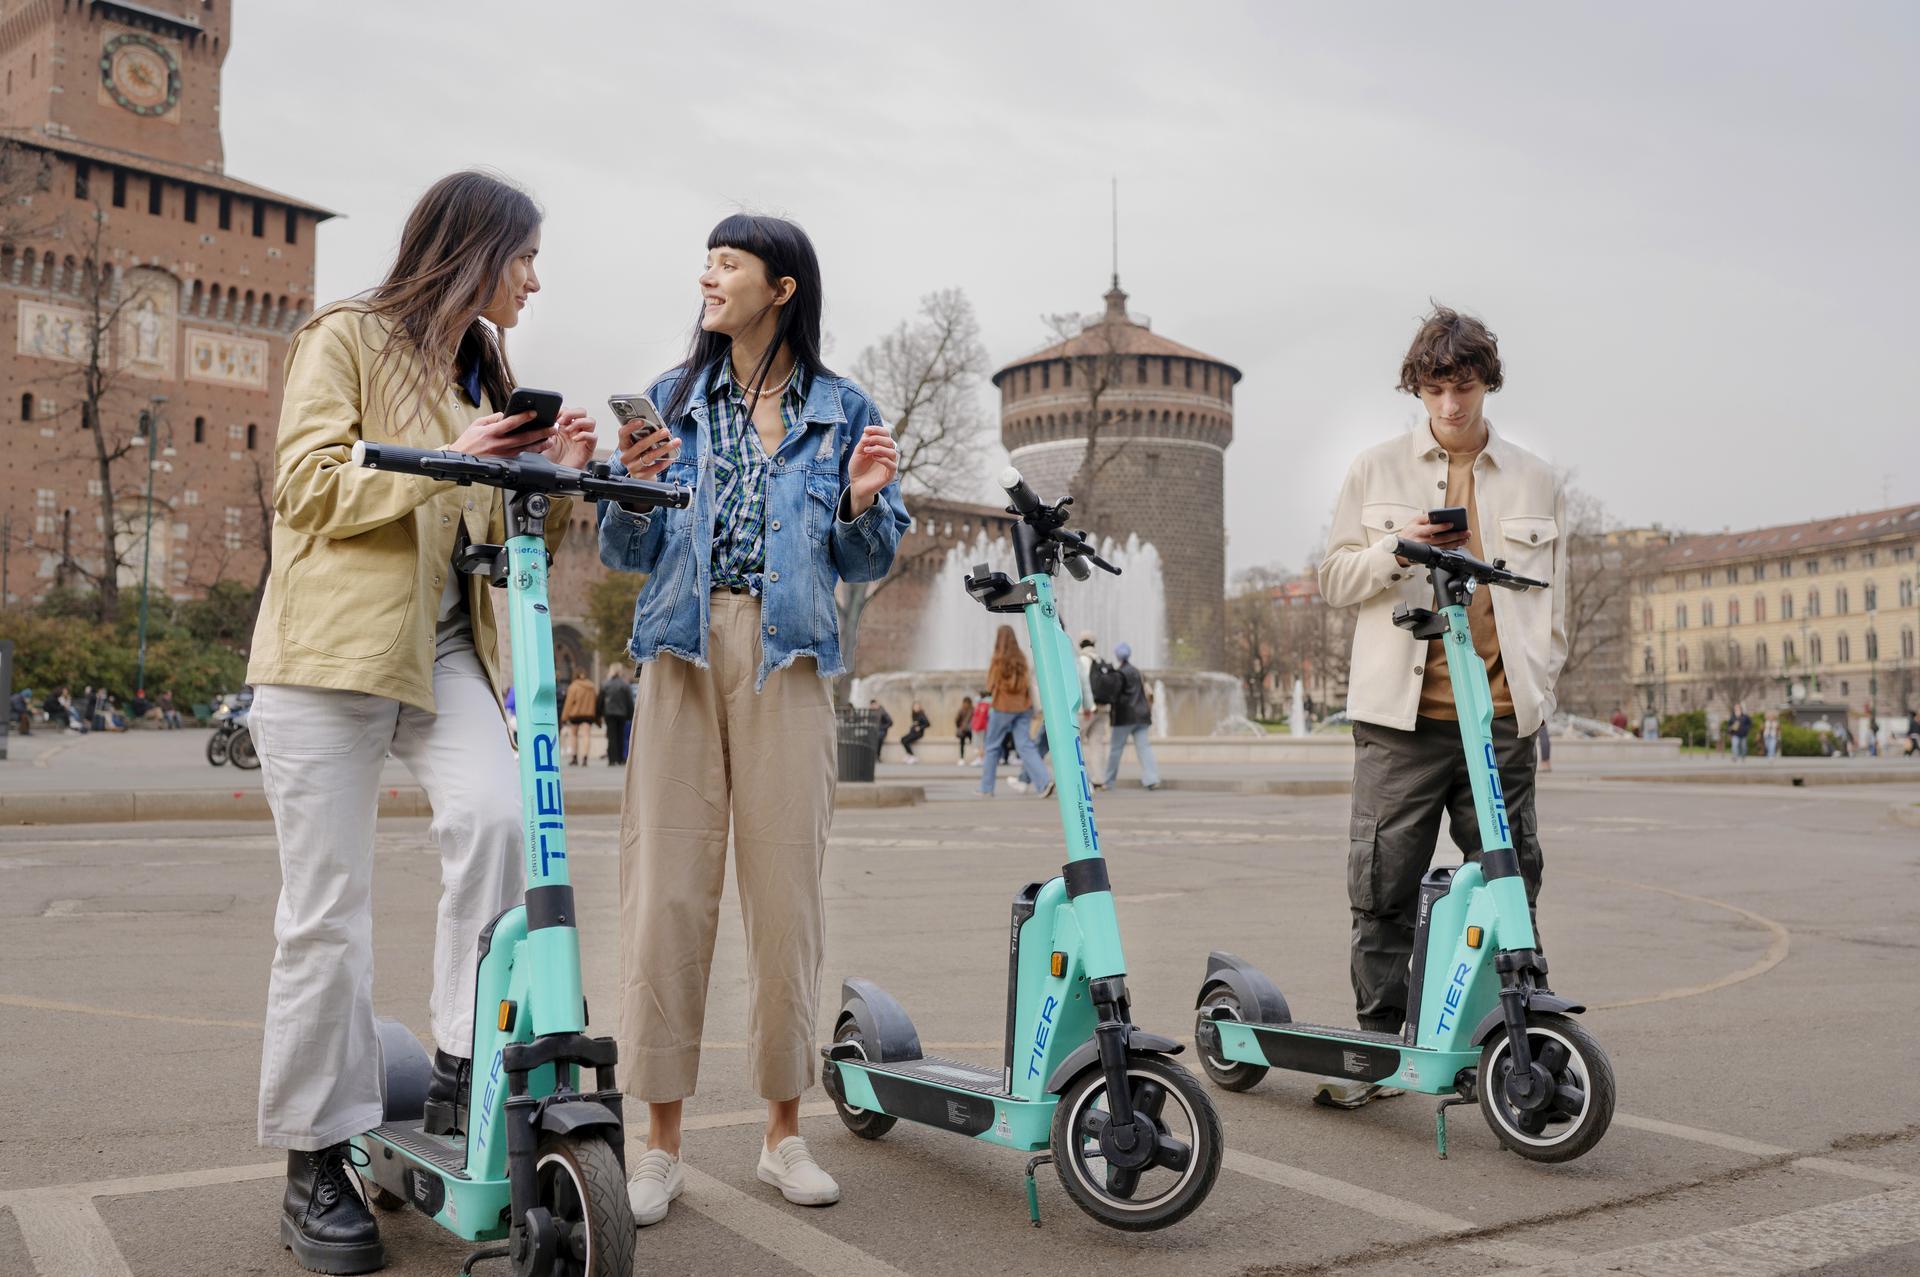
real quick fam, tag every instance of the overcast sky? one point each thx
(1692, 226)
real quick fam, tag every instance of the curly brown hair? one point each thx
(1451, 347)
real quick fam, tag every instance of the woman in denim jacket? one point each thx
(793, 475)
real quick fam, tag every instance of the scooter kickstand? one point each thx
(501, 1251)
(1440, 1122)
(1033, 1189)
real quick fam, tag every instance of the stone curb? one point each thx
(123, 806)
(1769, 776)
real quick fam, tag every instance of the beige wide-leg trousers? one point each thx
(710, 754)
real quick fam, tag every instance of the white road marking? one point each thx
(1408, 1214)
(779, 1230)
(1853, 1170)
(1732, 1143)
(67, 1238)
(1775, 1247)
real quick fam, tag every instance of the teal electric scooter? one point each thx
(1481, 1021)
(1133, 1136)
(533, 1158)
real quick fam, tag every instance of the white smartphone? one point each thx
(637, 417)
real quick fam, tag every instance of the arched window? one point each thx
(199, 429)
(1844, 647)
(1679, 616)
(1871, 595)
(1646, 660)
(1681, 660)
(253, 436)
(1759, 609)
(1873, 645)
(1840, 600)
(1760, 653)
(1786, 651)
(1906, 643)
(1813, 602)
(1706, 613)
(1733, 654)
(1733, 611)
(1906, 593)
(1786, 606)
(1813, 648)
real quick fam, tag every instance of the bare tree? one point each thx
(1093, 349)
(90, 390)
(1255, 642)
(1600, 572)
(925, 376)
(1726, 676)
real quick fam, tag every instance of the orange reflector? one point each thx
(1474, 937)
(1059, 964)
(506, 1017)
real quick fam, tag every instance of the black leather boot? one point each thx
(323, 1221)
(446, 1094)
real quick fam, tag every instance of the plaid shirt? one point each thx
(740, 464)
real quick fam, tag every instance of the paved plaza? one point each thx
(1747, 951)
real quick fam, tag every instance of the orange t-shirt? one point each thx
(1436, 692)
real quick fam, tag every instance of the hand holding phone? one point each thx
(645, 444)
(1453, 516)
(545, 407)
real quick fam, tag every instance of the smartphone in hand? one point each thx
(545, 407)
(1453, 516)
(639, 420)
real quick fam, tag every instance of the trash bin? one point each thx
(859, 731)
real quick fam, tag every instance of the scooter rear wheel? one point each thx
(1583, 1090)
(1179, 1106)
(866, 1124)
(1227, 1074)
(217, 747)
(578, 1180)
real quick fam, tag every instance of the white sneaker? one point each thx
(1019, 786)
(789, 1167)
(658, 1178)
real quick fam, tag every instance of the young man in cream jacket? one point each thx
(1409, 769)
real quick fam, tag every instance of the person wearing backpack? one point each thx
(1130, 707)
(1091, 701)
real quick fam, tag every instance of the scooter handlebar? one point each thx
(1460, 563)
(1023, 498)
(530, 473)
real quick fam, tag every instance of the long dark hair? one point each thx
(455, 249)
(787, 251)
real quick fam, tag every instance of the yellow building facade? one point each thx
(1819, 612)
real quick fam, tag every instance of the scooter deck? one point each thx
(945, 1072)
(448, 1156)
(1369, 1036)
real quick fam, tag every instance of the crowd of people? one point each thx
(96, 709)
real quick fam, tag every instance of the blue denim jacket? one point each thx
(810, 548)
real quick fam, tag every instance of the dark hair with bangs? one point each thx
(1451, 347)
(786, 251)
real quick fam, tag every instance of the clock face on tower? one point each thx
(140, 74)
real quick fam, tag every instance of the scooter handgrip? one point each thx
(1021, 496)
(1414, 551)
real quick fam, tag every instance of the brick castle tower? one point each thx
(1136, 427)
(110, 135)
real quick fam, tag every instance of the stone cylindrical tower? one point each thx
(1136, 427)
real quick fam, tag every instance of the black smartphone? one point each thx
(543, 404)
(1454, 516)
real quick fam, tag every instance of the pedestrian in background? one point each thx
(1132, 715)
(920, 724)
(616, 711)
(963, 726)
(1010, 687)
(1770, 734)
(1738, 728)
(576, 717)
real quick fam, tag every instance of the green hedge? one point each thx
(191, 647)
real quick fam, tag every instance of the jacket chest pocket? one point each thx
(1383, 519)
(1528, 539)
(823, 495)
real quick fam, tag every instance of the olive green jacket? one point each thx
(360, 556)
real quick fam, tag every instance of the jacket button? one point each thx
(446, 518)
(1442, 485)
(1394, 577)
(773, 576)
(1419, 669)
(773, 629)
(775, 525)
(1534, 537)
(1389, 524)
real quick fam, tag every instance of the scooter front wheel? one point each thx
(1186, 1160)
(1582, 1079)
(578, 1181)
(217, 747)
(865, 1123)
(1228, 1074)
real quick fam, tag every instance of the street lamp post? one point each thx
(149, 436)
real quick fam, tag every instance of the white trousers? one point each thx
(321, 752)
